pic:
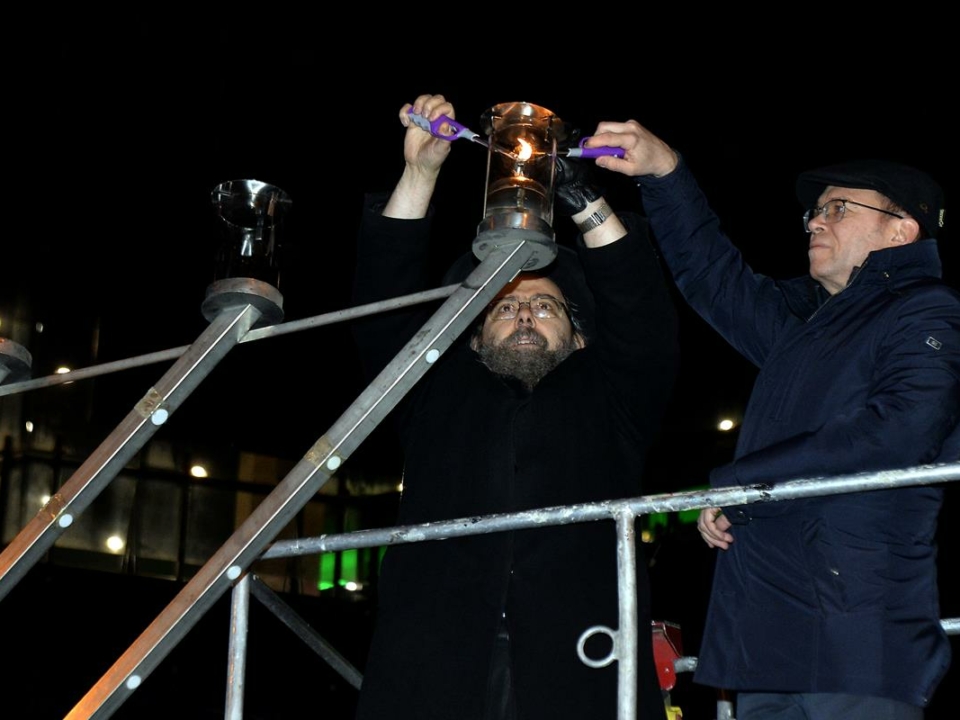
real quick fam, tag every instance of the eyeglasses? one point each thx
(833, 211)
(541, 306)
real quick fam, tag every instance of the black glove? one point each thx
(576, 186)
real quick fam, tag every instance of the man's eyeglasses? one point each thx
(541, 307)
(833, 211)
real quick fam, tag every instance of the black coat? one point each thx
(475, 444)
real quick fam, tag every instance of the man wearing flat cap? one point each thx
(823, 607)
(553, 400)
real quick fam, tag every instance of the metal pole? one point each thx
(237, 651)
(626, 637)
(152, 411)
(604, 510)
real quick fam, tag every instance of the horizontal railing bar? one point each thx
(257, 334)
(605, 510)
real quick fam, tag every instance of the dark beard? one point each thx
(529, 365)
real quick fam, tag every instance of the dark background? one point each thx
(120, 124)
(117, 134)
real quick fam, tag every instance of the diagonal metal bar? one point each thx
(298, 625)
(276, 510)
(127, 439)
(239, 630)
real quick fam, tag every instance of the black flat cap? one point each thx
(912, 189)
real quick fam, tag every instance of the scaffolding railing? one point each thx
(622, 512)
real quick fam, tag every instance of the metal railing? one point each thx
(622, 512)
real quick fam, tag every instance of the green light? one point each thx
(351, 562)
(327, 568)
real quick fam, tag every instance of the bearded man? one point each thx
(554, 400)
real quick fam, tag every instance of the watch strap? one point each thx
(595, 219)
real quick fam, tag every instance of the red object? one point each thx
(666, 648)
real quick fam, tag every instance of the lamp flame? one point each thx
(525, 151)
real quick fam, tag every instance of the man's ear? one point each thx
(908, 231)
(475, 342)
(579, 340)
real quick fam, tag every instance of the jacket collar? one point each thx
(906, 262)
(891, 266)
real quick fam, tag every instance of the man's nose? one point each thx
(815, 223)
(524, 315)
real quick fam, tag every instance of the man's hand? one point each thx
(424, 154)
(713, 526)
(421, 150)
(644, 152)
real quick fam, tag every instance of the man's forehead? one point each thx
(528, 285)
(835, 192)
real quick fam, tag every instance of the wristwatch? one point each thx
(595, 219)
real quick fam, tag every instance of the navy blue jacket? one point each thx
(836, 593)
(476, 444)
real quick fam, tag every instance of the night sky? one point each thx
(116, 139)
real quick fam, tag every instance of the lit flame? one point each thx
(525, 151)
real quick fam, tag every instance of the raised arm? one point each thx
(424, 154)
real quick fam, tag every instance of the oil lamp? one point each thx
(521, 170)
(247, 271)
